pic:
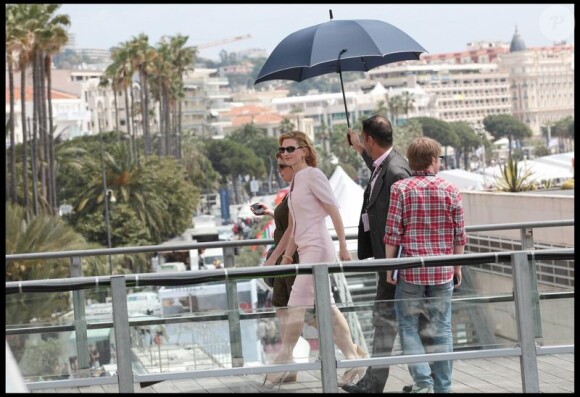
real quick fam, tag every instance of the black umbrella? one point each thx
(336, 46)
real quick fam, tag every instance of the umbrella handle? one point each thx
(343, 95)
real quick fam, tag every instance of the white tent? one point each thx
(349, 195)
(556, 167)
(502, 142)
(465, 180)
(562, 160)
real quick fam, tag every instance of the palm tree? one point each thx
(120, 73)
(141, 55)
(131, 184)
(25, 47)
(183, 58)
(167, 88)
(104, 81)
(382, 108)
(31, 18)
(39, 234)
(286, 125)
(160, 86)
(297, 110)
(395, 105)
(36, 32)
(53, 39)
(408, 102)
(13, 34)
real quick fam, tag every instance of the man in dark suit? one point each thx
(387, 166)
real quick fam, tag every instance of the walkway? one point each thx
(495, 375)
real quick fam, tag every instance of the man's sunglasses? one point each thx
(282, 166)
(289, 149)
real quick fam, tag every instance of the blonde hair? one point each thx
(421, 153)
(302, 139)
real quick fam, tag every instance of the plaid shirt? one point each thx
(426, 218)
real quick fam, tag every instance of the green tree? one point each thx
(347, 158)
(232, 161)
(564, 130)
(54, 37)
(408, 102)
(247, 133)
(381, 109)
(468, 140)
(42, 233)
(540, 149)
(35, 32)
(404, 135)
(13, 33)
(439, 130)
(286, 125)
(395, 105)
(140, 55)
(199, 169)
(158, 193)
(505, 125)
(120, 73)
(322, 144)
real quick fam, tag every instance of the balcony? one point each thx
(511, 331)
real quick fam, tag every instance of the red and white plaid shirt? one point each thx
(426, 218)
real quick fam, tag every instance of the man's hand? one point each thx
(457, 276)
(390, 278)
(355, 141)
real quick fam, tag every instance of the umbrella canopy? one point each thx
(337, 45)
(315, 50)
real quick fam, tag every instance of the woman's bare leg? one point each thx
(283, 318)
(343, 340)
(342, 336)
(292, 331)
(282, 314)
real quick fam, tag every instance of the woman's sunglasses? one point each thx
(282, 166)
(289, 149)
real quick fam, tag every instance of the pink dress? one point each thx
(310, 188)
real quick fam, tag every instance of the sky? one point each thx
(438, 28)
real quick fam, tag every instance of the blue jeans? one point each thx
(435, 302)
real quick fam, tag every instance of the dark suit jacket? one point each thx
(370, 244)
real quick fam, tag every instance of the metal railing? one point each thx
(525, 299)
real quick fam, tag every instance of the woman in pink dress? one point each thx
(310, 201)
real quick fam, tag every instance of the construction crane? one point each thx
(223, 41)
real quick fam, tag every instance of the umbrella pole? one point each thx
(344, 99)
(343, 95)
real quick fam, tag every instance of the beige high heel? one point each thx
(351, 374)
(274, 379)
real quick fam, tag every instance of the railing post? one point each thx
(325, 329)
(527, 235)
(122, 334)
(233, 311)
(76, 270)
(524, 320)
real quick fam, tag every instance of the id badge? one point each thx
(365, 221)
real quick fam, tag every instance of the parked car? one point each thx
(144, 303)
(172, 267)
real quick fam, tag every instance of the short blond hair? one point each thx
(302, 139)
(421, 153)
